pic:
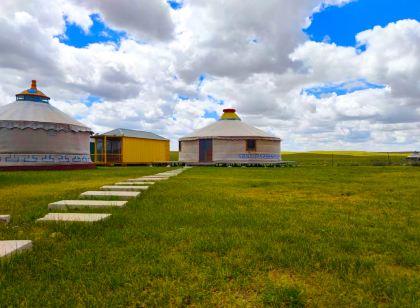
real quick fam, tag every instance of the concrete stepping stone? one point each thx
(153, 179)
(5, 218)
(8, 248)
(118, 194)
(134, 183)
(147, 179)
(76, 204)
(82, 217)
(163, 176)
(124, 188)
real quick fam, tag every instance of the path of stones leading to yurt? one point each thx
(100, 199)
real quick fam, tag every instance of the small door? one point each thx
(99, 150)
(113, 150)
(206, 150)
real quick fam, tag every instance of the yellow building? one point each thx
(127, 146)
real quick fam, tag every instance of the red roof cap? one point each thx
(229, 110)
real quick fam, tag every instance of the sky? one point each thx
(320, 74)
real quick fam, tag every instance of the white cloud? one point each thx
(143, 19)
(255, 57)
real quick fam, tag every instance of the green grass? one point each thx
(174, 155)
(293, 237)
(346, 158)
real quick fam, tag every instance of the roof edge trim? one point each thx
(43, 125)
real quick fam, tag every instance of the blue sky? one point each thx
(98, 33)
(342, 88)
(176, 5)
(337, 25)
(340, 25)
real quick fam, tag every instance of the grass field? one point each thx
(314, 235)
(346, 158)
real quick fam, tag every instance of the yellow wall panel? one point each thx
(137, 150)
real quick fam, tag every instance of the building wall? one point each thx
(189, 151)
(233, 150)
(136, 150)
(40, 141)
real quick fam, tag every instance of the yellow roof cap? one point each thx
(229, 114)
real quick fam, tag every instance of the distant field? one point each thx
(346, 158)
(353, 153)
(339, 158)
(174, 155)
(313, 235)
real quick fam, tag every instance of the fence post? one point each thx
(95, 152)
(105, 150)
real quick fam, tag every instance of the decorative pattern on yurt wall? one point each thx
(43, 159)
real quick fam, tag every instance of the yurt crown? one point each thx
(32, 94)
(229, 114)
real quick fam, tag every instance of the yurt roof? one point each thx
(33, 91)
(30, 112)
(229, 125)
(123, 132)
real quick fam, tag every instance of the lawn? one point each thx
(314, 235)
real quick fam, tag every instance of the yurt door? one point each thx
(206, 150)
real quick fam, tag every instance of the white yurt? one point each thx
(229, 140)
(36, 135)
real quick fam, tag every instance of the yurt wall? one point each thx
(236, 150)
(188, 151)
(42, 141)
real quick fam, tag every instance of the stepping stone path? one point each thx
(8, 248)
(74, 217)
(155, 177)
(146, 179)
(72, 204)
(5, 218)
(121, 190)
(124, 188)
(134, 183)
(118, 194)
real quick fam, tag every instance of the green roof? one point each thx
(122, 132)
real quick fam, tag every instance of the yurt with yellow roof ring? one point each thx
(229, 140)
(35, 135)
